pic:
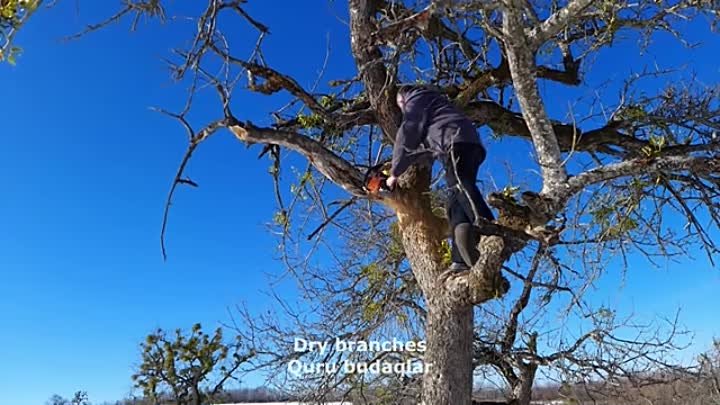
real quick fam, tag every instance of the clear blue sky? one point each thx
(85, 167)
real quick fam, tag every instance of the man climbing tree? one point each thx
(431, 125)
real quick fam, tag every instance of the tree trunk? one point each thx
(522, 389)
(448, 378)
(197, 396)
(522, 393)
(448, 360)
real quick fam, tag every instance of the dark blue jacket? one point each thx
(431, 124)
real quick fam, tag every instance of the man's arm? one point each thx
(409, 137)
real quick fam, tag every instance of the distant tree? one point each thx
(256, 394)
(698, 384)
(57, 400)
(132, 400)
(80, 398)
(709, 373)
(188, 369)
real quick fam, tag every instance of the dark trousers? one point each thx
(463, 194)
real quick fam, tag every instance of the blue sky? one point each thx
(85, 167)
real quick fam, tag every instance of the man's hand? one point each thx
(391, 182)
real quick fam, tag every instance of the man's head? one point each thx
(402, 94)
(404, 91)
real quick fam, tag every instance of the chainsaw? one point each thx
(376, 177)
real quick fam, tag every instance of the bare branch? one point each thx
(558, 21)
(329, 164)
(644, 166)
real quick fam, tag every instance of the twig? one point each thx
(331, 217)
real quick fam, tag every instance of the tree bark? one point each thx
(522, 391)
(197, 396)
(448, 360)
(521, 61)
(449, 324)
(368, 59)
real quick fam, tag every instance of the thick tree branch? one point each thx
(521, 60)
(500, 75)
(506, 122)
(484, 280)
(607, 139)
(325, 161)
(704, 164)
(557, 22)
(373, 72)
